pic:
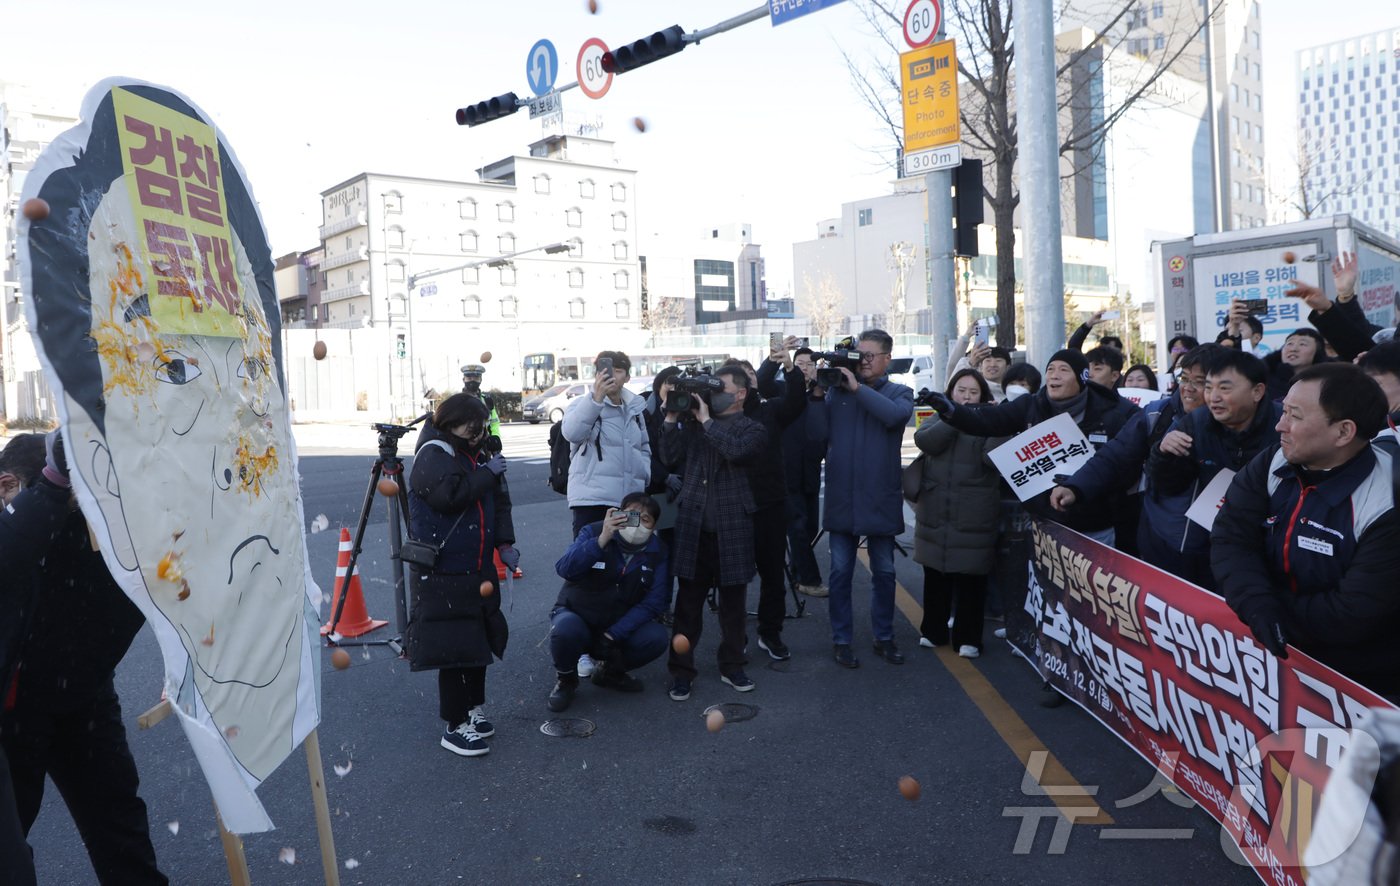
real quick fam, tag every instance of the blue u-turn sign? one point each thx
(542, 67)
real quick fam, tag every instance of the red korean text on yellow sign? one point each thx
(929, 79)
(173, 174)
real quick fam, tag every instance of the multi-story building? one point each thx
(1148, 177)
(539, 254)
(297, 278)
(1226, 56)
(698, 281)
(1349, 130)
(871, 262)
(29, 121)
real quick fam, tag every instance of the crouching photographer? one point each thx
(617, 586)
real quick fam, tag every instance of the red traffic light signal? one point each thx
(491, 109)
(644, 51)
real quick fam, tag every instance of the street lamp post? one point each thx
(499, 261)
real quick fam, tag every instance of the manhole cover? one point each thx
(568, 727)
(733, 711)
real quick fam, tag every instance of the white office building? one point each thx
(1349, 129)
(872, 257)
(715, 276)
(502, 289)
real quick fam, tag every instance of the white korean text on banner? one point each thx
(1168, 668)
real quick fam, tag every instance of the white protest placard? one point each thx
(1031, 460)
(1207, 504)
(1140, 397)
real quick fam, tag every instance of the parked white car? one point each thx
(919, 375)
(552, 403)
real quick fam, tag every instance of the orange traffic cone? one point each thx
(354, 620)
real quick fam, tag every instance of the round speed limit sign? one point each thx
(922, 21)
(592, 79)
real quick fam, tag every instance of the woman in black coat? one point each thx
(458, 502)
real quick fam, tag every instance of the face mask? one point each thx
(1014, 391)
(721, 401)
(635, 535)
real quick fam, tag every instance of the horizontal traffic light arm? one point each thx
(491, 109)
(625, 58)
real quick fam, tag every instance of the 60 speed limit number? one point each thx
(922, 22)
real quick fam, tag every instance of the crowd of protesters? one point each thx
(690, 491)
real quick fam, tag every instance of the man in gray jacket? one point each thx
(611, 455)
(862, 421)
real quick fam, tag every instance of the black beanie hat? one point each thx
(1075, 360)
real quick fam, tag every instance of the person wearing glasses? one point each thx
(862, 424)
(1162, 531)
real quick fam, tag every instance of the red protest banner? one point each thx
(1169, 669)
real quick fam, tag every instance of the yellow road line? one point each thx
(1061, 786)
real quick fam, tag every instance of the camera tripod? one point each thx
(387, 466)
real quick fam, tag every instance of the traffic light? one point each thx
(400, 350)
(967, 206)
(481, 112)
(644, 51)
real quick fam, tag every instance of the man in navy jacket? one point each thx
(1237, 424)
(862, 421)
(1307, 544)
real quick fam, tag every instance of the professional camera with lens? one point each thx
(689, 387)
(845, 355)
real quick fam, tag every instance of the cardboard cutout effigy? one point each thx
(149, 291)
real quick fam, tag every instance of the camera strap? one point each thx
(446, 447)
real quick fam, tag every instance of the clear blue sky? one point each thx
(759, 124)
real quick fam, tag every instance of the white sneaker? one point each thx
(968, 651)
(999, 633)
(927, 643)
(585, 666)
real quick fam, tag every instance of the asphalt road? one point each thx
(804, 791)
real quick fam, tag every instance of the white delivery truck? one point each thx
(1197, 277)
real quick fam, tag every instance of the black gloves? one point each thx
(673, 486)
(941, 404)
(610, 653)
(1266, 625)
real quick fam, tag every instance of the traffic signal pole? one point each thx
(942, 281)
(624, 58)
(1040, 180)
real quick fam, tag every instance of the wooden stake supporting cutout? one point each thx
(233, 844)
(233, 853)
(323, 809)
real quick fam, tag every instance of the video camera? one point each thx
(845, 356)
(691, 385)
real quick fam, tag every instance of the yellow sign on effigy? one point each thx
(173, 174)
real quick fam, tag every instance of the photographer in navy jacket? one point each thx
(862, 423)
(617, 586)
